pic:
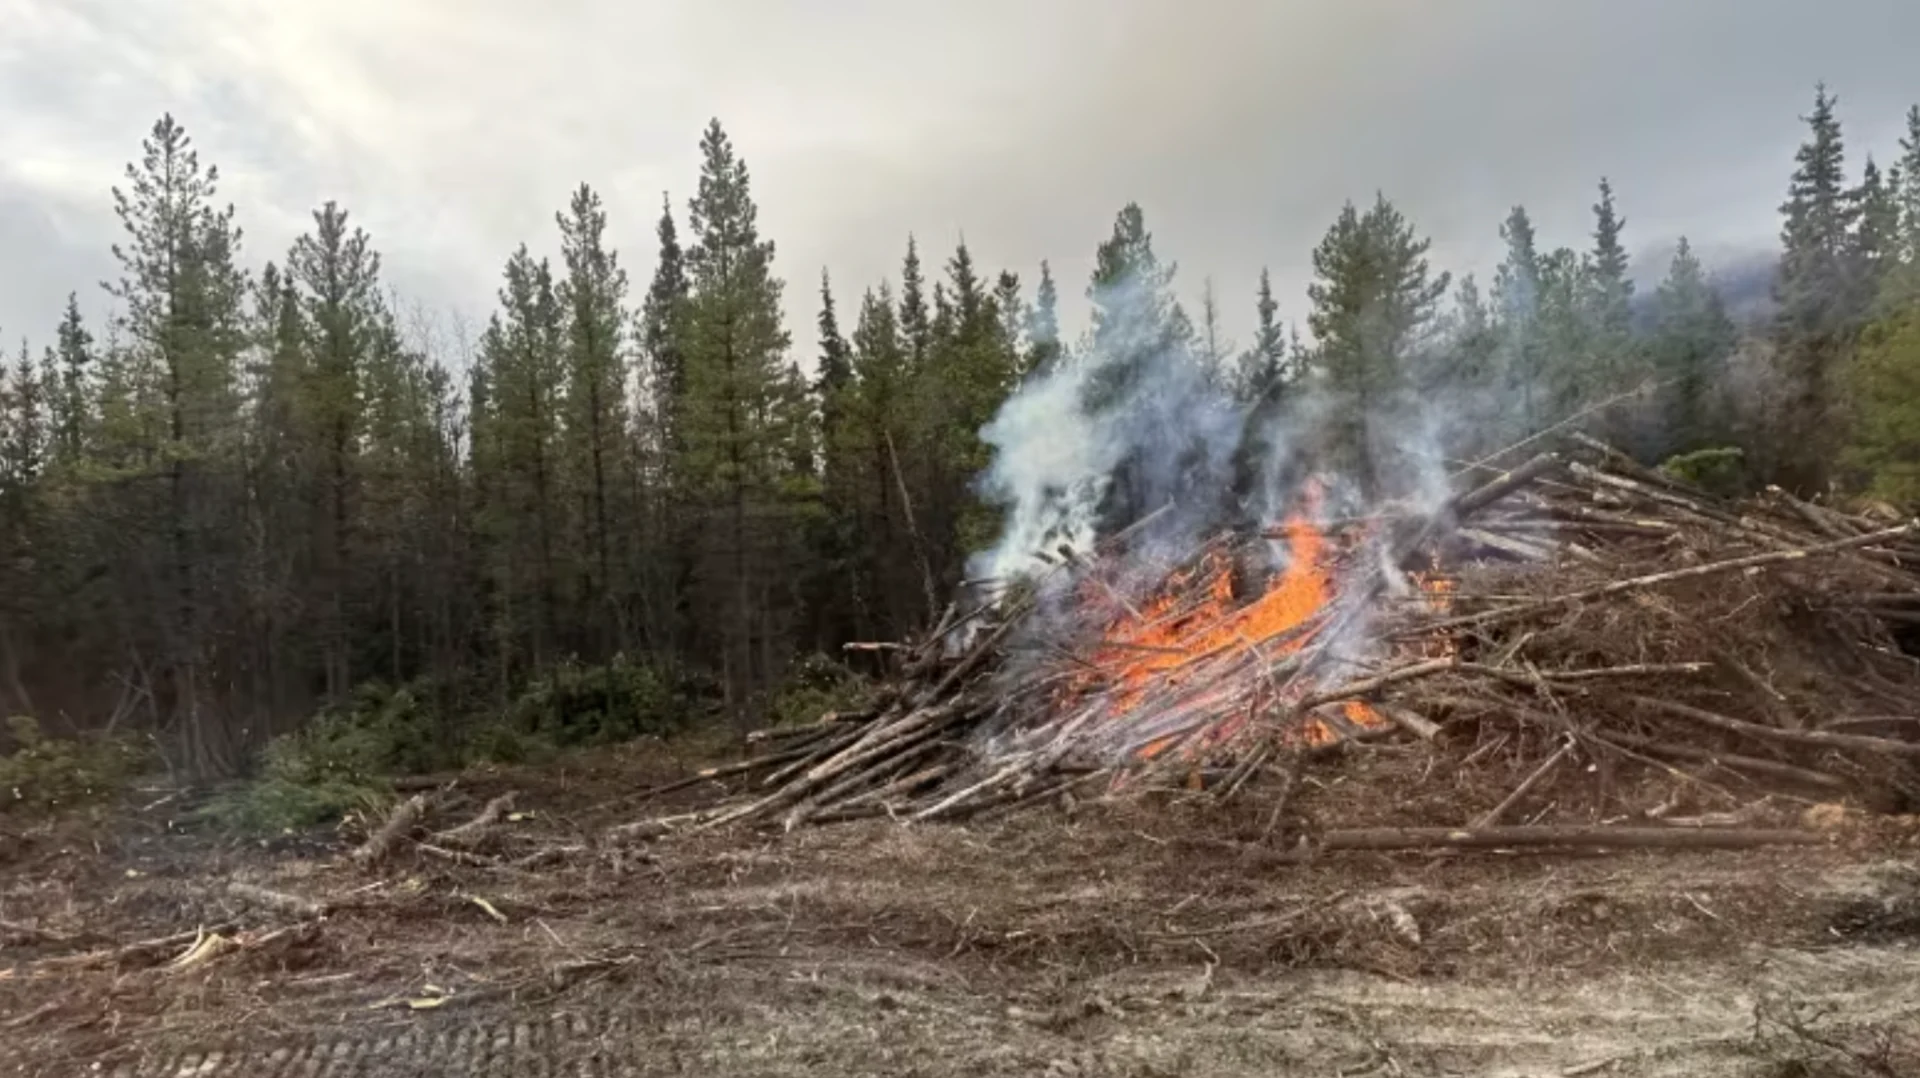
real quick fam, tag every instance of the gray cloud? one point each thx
(454, 128)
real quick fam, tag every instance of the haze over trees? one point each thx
(253, 489)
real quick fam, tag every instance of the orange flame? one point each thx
(1187, 624)
(1186, 669)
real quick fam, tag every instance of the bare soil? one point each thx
(1071, 940)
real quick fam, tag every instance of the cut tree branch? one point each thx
(381, 844)
(1731, 565)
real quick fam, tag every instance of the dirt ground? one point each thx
(1084, 939)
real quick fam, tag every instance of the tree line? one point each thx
(247, 491)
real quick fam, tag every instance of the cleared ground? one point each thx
(1089, 940)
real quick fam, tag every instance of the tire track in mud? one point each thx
(572, 1045)
(1654, 1022)
(1658, 1021)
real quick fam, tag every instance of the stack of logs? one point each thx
(1592, 608)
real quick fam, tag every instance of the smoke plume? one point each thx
(1133, 424)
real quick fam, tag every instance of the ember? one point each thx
(1578, 606)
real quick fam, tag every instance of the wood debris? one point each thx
(1589, 608)
(387, 837)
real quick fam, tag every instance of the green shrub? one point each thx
(499, 742)
(1720, 471)
(574, 705)
(344, 758)
(45, 774)
(338, 762)
(272, 803)
(815, 686)
(377, 732)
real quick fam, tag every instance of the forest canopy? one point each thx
(252, 489)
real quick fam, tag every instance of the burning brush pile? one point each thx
(1579, 612)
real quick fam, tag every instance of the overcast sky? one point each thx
(453, 129)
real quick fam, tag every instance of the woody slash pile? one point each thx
(1577, 609)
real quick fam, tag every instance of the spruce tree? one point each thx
(836, 358)
(1263, 372)
(1210, 344)
(665, 533)
(522, 355)
(1516, 300)
(1691, 340)
(338, 273)
(1609, 301)
(834, 387)
(1900, 280)
(181, 296)
(661, 329)
(23, 401)
(1012, 311)
(1883, 388)
(877, 424)
(7, 484)
(1819, 216)
(916, 323)
(735, 350)
(1907, 192)
(13, 489)
(1876, 237)
(1882, 377)
(941, 325)
(1137, 322)
(1571, 373)
(593, 296)
(835, 542)
(972, 366)
(73, 353)
(1464, 371)
(1474, 347)
(1374, 299)
(1817, 296)
(1141, 353)
(1043, 326)
(403, 511)
(1612, 289)
(284, 468)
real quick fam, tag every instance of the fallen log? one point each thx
(116, 955)
(1910, 723)
(458, 857)
(1411, 721)
(474, 831)
(305, 908)
(1500, 486)
(819, 727)
(1353, 690)
(381, 844)
(34, 932)
(1493, 815)
(980, 652)
(1730, 565)
(1820, 738)
(1390, 839)
(721, 771)
(1506, 544)
(1771, 768)
(806, 756)
(1493, 838)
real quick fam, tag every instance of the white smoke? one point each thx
(1178, 436)
(1052, 464)
(1135, 406)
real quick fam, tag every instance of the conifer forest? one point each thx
(1458, 647)
(256, 492)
